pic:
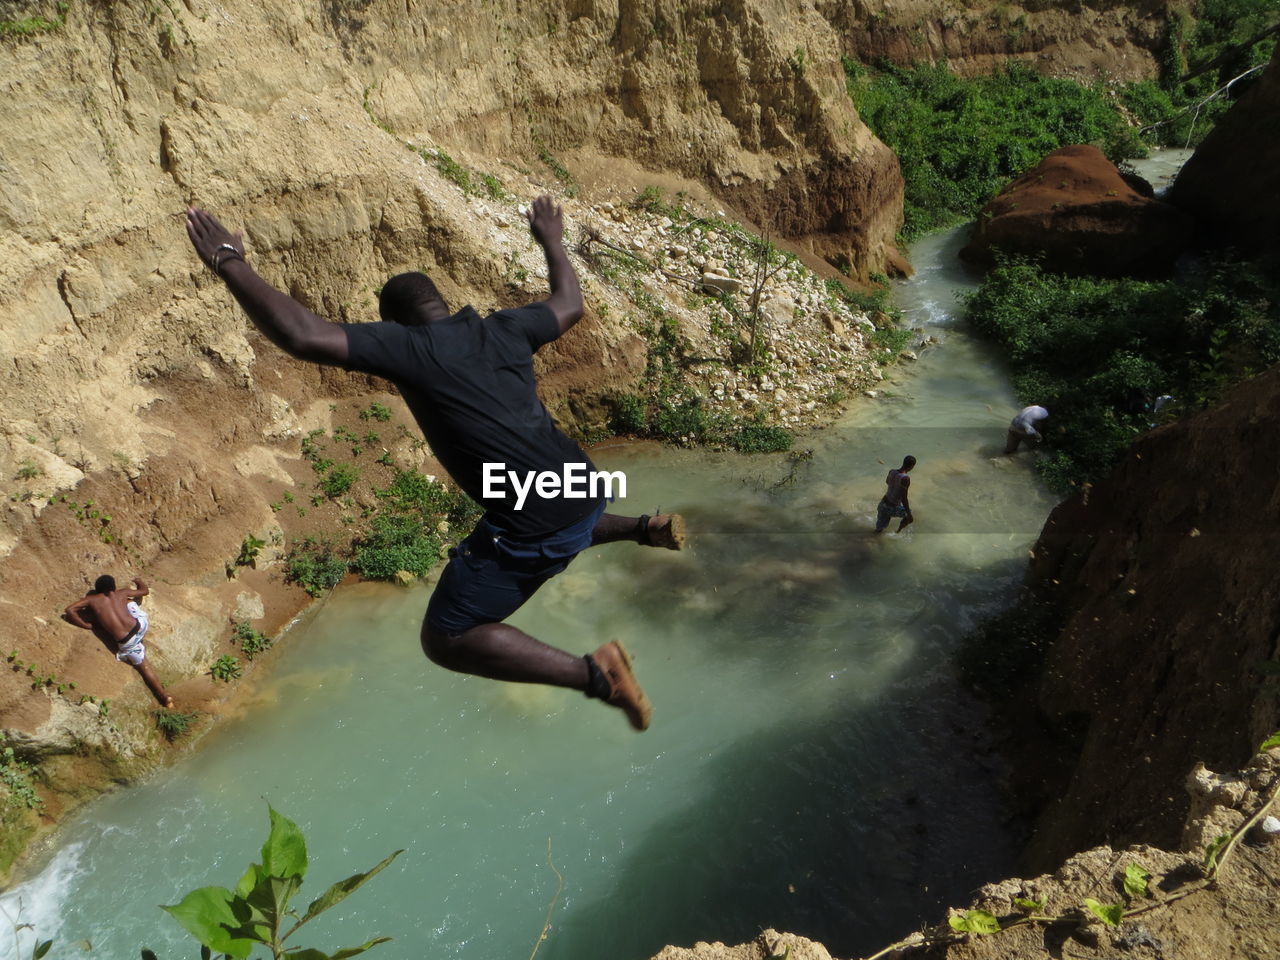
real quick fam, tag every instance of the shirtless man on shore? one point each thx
(469, 382)
(118, 615)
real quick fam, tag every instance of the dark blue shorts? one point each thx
(490, 576)
(886, 511)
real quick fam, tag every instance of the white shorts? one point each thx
(132, 651)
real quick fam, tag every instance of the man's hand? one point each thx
(214, 243)
(546, 221)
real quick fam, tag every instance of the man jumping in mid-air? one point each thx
(469, 382)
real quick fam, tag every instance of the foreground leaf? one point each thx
(1030, 906)
(1136, 880)
(1109, 913)
(285, 852)
(206, 915)
(1271, 741)
(355, 951)
(975, 921)
(343, 889)
(1213, 850)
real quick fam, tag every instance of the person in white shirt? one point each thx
(1023, 428)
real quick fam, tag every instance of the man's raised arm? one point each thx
(546, 222)
(285, 322)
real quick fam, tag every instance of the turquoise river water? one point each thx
(813, 765)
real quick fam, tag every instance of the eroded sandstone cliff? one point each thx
(1085, 40)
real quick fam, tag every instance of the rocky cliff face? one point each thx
(1086, 40)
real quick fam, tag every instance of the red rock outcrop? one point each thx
(1076, 211)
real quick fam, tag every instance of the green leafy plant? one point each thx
(251, 642)
(1270, 742)
(315, 566)
(174, 723)
(27, 470)
(258, 911)
(1213, 851)
(1028, 906)
(759, 438)
(31, 26)
(226, 668)
(974, 921)
(376, 411)
(1109, 913)
(249, 548)
(16, 775)
(1095, 352)
(1136, 880)
(339, 480)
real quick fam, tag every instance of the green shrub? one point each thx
(758, 438)
(686, 417)
(16, 776)
(1096, 352)
(249, 548)
(889, 342)
(339, 480)
(226, 668)
(316, 566)
(396, 542)
(630, 414)
(173, 723)
(250, 641)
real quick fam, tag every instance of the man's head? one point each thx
(907, 464)
(105, 584)
(411, 299)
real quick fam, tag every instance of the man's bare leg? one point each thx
(153, 683)
(503, 652)
(663, 530)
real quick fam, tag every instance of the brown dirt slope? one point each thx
(1167, 569)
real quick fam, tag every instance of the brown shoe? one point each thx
(670, 534)
(625, 693)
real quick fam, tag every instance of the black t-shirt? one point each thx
(469, 382)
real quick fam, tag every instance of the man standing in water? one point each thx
(118, 614)
(1023, 428)
(469, 382)
(894, 503)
